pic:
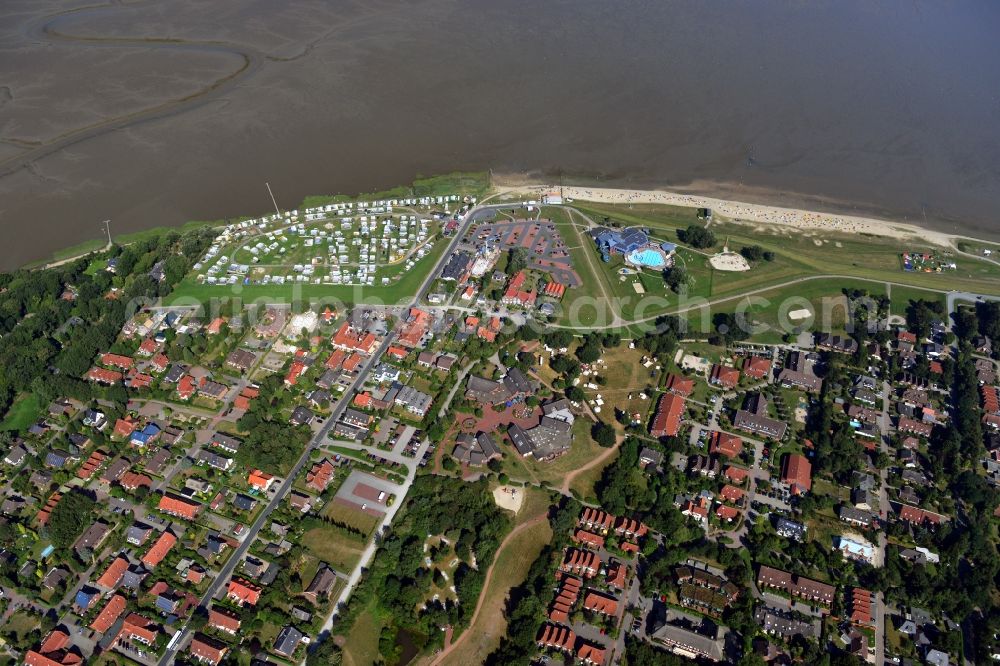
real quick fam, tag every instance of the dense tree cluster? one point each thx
(696, 236)
(399, 580)
(73, 513)
(60, 338)
(756, 254)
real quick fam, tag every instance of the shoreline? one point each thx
(739, 212)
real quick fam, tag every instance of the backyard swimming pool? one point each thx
(647, 257)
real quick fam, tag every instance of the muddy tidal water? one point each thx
(157, 112)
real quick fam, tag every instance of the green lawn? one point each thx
(361, 642)
(335, 547)
(23, 413)
(345, 515)
(812, 253)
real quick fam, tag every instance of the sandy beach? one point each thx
(803, 220)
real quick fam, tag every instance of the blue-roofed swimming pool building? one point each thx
(615, 241)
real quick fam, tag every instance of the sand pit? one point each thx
(729, 261)
(509, 497)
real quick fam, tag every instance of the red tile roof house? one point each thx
(600, 603)
(109, 614)
(260, 480)
(617, 574)
(917, 516)
(159, 363)
(113, 575)
(756, 367)
(138, 628)
(148, 347)
(735, 474)
(596, 520)
(682, 386)
(243, 592)
(318, 478)
(297, 370)
(181, 508)
(104, 376)
(186, 387)
(581, 562)
(726, 513)
(724, 376)
(796, 586)
(589, 539)
(724, 444)
(797, 473)
(732, 494)
(159, 550)
(667, 421)
(515, 295)
(224, 620)
(629, 527)
(591, 655)
(557, 637)
(117, 361)
(207, 650)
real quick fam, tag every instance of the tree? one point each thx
(517, 260)
(575, 393)
(589, 351)
(676, 277)
(696, 236)
(604, 434)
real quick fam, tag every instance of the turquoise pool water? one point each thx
(648, 257)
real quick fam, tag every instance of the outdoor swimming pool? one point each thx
(647, 257)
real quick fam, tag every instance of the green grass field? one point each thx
(346, 515)
(335, 547)
(813, 253)
(23, 413)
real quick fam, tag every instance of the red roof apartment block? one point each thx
(181, 508)
(113, 575)
(354, 340)
(669, 411)
(797, 473)
(159, 550)
(109, 614)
